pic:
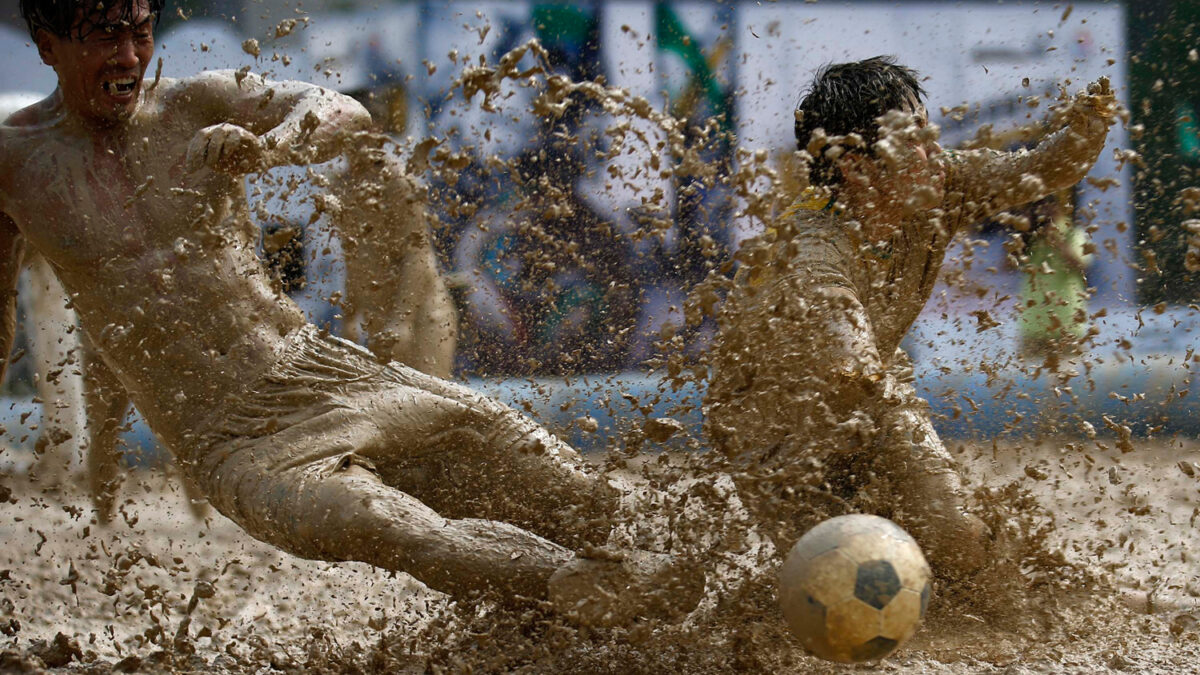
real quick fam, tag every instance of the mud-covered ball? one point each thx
(854, 588)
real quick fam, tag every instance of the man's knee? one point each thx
(331, 512)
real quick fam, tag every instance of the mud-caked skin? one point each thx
(808, 374)
(333, 455)
(133, 191)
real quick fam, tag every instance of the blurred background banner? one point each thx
(571, 249)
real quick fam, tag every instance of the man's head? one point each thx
(849, 98)
(99, 49)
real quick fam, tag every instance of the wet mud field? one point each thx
(1096, 538)
(159, 591)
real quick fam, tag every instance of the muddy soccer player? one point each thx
(810, 391)
(132, 190)
(395, 297)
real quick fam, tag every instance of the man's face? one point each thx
(101, 74)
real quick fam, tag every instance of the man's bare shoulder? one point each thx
(23, 134)
(33, 115)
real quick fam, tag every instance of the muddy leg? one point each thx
(343, 511)
(461, 472)
(928, 493)
(56, 353)
(544, 491)
(338, 509)
(491, 462)
(412, 473)
(107, 404)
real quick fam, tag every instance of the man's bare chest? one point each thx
(97, 205)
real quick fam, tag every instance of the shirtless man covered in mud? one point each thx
(132, 191)
(810, 388)
(395, 296)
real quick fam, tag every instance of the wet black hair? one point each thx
(848, 98)
(76, 19)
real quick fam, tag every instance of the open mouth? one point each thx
(120, 87)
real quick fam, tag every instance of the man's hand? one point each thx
(227, 148)
(1191, 260)
(1098, 102)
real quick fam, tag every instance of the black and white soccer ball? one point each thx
(854, 588)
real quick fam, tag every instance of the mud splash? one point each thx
(1043, 603)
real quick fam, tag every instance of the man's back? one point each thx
(891, 274)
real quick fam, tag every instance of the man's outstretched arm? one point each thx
(259, 124)
(12, 251)
(393, 286)
(981, 183)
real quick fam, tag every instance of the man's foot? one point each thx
(614, 591)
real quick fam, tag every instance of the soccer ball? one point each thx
(854, 588)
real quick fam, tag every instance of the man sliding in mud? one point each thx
(809, 378)
(395, 297)
(133, 193)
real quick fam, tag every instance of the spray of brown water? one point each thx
(1040, 596)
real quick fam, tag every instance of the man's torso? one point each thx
(159, 262)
